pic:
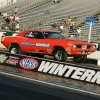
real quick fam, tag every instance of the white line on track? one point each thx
(64, 87)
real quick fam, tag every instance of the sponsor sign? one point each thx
(69, 71)
(42, 45)
(65, 70)
(12, 60)
(18, 61)
(27, 43)
(28, 63)
(3, 57)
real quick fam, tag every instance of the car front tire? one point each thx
(60, 54)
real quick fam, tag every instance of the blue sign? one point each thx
(87, 23)
(91, 19)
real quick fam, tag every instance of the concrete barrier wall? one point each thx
(95, 55)
(1, 45)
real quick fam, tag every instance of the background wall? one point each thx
(4, 3)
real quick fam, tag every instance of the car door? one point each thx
(28, 43)
(41, 43)
(36, 43)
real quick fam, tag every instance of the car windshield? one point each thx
(54, 35)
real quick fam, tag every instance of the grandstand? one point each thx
(32, 14)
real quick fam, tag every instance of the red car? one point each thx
(47, 42)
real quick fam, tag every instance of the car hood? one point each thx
(80, 42)
(64, 41)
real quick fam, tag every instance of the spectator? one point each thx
(8, 20)
(79, 31)
(13, 24)
(47, 12)
(68, 19)
(97, 18)
(55, 1)
(17, 18)
(5, 16)
(72, 26)
(67, 28)
(15, 10)
(75, 20)
(63, 22)
(17, 27)
(11, 17)
(61, 28)
(58, 1)
(54, 26)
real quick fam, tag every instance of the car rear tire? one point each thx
(15, 49)
(60, 54)
(80, 59)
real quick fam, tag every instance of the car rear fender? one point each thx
(13, 44)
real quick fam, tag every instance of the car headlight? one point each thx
(93, 47)
(75, 46)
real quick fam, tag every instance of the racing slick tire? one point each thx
(80, 59)
(60, 54)
(15, 49)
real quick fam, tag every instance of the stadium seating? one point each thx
(32, 14)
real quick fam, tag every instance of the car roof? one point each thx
(42, 30)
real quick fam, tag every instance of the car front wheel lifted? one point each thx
(60, 54)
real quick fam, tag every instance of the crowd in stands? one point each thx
(11, 21)
(57, 1)
(66, 25)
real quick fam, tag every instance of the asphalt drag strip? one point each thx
(69, 87)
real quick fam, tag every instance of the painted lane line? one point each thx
(91, 93)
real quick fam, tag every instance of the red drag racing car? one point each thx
(48, 42)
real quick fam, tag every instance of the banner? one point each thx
(51, 67)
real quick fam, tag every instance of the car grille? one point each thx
(83, 46)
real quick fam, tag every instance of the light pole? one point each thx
(1, 4)
(7, 2)
(11, 1)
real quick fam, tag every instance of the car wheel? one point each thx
(80, 59)
(15, 49)
(60, 54)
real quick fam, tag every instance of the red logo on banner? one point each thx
(28, 63)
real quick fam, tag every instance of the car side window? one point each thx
(35, 35)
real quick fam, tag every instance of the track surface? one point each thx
(11, 89)
(17, 90)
